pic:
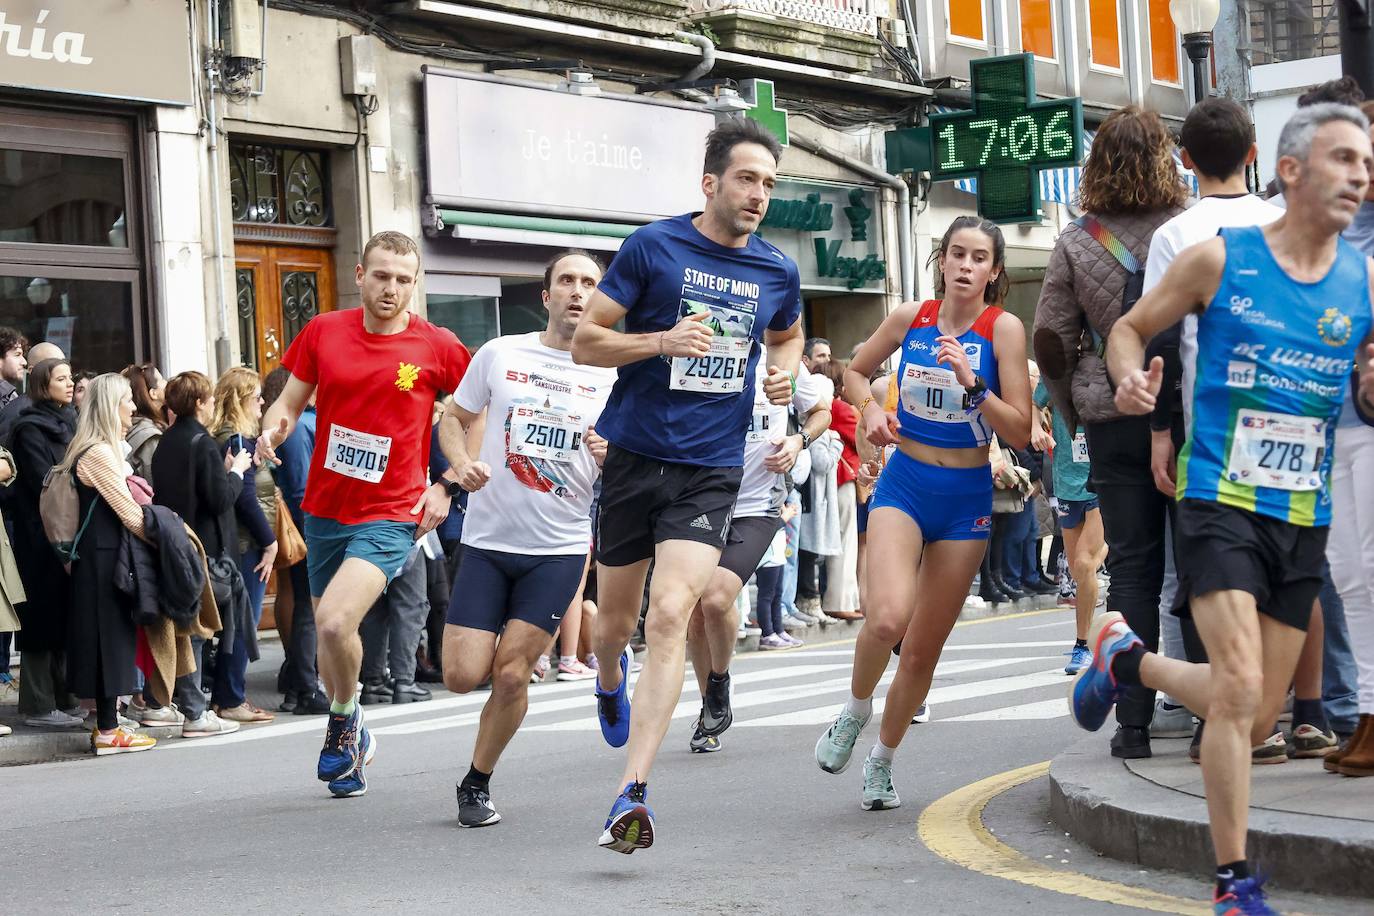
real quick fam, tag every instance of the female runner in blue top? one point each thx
(962, 379)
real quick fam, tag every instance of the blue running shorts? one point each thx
(328, 543)
(947, 504)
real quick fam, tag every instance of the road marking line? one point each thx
(952, 828)
(1044, 626)
(824, 715)
(690, 706)
(1046, 709)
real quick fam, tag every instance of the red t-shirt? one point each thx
(374, 399)
(844, 420)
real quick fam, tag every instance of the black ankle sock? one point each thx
(477, 778)
(1310, 712)
(714, 678)
(1080, 644)
(1230, 873)
(1126, 665)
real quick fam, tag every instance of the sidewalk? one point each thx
(36, 745)
(1310, 830)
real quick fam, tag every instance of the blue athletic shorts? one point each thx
(947, 504)
(328, 543)
(1072, 512)
(494, 587)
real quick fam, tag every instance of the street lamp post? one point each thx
(1195, 19)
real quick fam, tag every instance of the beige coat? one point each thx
(11, 589)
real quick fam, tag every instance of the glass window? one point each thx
(90, 320)
(1037, 28)
(62, 199)
(966, 19)
(273, 184)
(472, 318)
(1164, 43)
(1104, 27)
(522, 305)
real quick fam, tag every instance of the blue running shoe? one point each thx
(1080, 657)
(613, 709)
(339, 757)
(1243, 898)
(630, 825)
(1095, 690)
(354, 784)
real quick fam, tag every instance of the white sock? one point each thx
(859, 709)
(882, 752)
(566, 659)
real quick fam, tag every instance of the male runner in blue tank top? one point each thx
(1275, 317)
(699, 294)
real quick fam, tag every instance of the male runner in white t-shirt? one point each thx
(528, 525)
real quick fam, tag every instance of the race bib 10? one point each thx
(361, 456)
(933, 394)
(1277, 450)
(546, 433)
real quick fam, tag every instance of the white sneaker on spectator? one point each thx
(773, 641)
(802, 617)
(541, 668)
(791, 640)
(5, 730)
(54, 719)
(154, 716)
(207, 726)
(574, 671)
(77, 712)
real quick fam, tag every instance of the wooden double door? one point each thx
(278, 289)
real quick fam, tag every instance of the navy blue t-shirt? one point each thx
(694, 410)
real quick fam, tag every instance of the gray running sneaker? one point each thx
(878, 792)
(702, 743)
(837, 744)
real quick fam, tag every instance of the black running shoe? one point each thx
(701, 742)
(474, 806)
(716, 715)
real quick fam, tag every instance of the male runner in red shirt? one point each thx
(375, 372)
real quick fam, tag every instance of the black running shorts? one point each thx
(494, 587)
(1220, 547)
(645, 502)
(749, 540)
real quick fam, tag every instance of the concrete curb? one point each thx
(1103, 804)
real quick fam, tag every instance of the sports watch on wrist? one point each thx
(978, 387)
(806, 439)
(453, 488)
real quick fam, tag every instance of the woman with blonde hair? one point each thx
(235, 425)
(101, 636)
(1130, 186)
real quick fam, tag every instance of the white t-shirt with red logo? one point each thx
(539, 407)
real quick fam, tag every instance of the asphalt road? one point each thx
(240, 824)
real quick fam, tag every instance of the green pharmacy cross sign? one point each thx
(1004, 142)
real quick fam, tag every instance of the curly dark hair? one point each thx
(1131, 167)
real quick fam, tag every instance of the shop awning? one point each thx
(533, 230)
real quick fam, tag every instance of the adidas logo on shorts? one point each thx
(702, 522)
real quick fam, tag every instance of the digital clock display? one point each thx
(1006, 138)
(1020, 138)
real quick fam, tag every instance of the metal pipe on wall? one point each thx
(223, 350)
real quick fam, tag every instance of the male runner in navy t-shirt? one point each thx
(699, 295)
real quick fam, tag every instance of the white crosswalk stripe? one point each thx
(778, 690)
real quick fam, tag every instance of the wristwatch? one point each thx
(806, 439)
(453, 488)
(978, 387)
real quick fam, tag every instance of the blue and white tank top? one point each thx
(933, 407)
(1266, 368)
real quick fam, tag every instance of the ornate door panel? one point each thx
(279, 289)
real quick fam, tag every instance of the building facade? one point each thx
(200, 189)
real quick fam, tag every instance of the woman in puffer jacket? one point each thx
(1130, 186)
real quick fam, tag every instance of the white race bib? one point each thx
(721, 371)
(546, 433)
(760, 423)
(1080, 448)
(1277, 450)
(361, 456)
(933, 394)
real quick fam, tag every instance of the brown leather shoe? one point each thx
(245, 712)
(1359, 756)
(1332, 761)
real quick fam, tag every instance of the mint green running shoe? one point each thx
(837, 744)
(878, 792)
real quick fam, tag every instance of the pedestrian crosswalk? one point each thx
(985, 682)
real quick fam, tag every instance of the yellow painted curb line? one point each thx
(952, 828)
